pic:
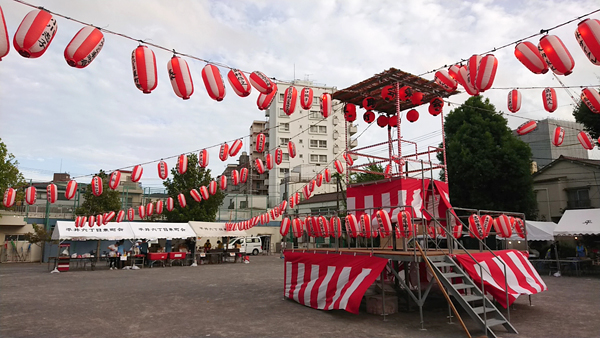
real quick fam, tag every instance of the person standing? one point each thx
(207, 246)
(282, 248)
(580, 250)
(112, 255)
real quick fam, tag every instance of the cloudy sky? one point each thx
(54, 117)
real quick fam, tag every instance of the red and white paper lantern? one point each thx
(306, 98)
(327, 175)
(436, 106)
(385, 223)
(297, 228)
(278, 156)
(319, 179)
(170, 204)
(269, 161)
(213, 81)
(348, 158)
(350, 112)
(311, 185)
(387, 172)
(404, 225)
(480, 226)
(159, 207)
(239, 82)
(292, 149)
(243, 175)
(181, 79)
(556, 55)
(35, 33)
(141, 211)
(97, 186)
(182, 164)
(71, 189)
(486, 72)
(260, 167)
(549, 98)
(51, 193)
(289, 100)
(114, 180)
(264, 100)
(4, 41)
(91, 220)
(529, 55)
(527, 127)
(212, 187)
(223, 182)
(260, 142)
(204, 192)
(136, 173)
(143, 64)
(335, 227)
(203, 158)
(339, 167)
(558, 136)
(588, 38)
(235, 177)
(99, 220)
(502, 226)
(149, 209)
(262, 83)
(9, 194)
(181, 200)
(591, 98)
(464, 80)
(473, 69)
(224, 152)
(352, 227)
(84, 47)
(326, 105)
(120, 216)
(109, 217)
(284, 227)
(365, 225)
(514, 100)
(585, 140)
(306, 191)
(235, 148)
(444, 80)
(519, 227)
(130, 214)
(163, 170)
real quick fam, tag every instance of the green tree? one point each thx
(94, 205)
(590, 121)
(194, 178)
(10, 176)
(488, 167)
(360, 177)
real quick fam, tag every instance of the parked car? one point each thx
(246, 245)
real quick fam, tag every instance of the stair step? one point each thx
(470, 298)
(494, 322)
(462, 286)
(452, 274)
(442, 264)
(480, 309)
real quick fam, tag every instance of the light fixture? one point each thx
(575, 237)
(519, 242)
(509, 242)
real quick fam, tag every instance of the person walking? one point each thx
(282, 248)
(112, 255)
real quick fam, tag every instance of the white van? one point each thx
(246, 245)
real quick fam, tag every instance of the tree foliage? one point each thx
(10, 176)
(94, 205)
(590, 121)
(360, 177)
(194, 178)
(39, 235)
(488, 167)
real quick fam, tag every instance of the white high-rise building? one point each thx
(318, 142)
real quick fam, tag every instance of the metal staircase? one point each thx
(459, 285)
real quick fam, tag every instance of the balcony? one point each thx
(352, 129)
(353, 144)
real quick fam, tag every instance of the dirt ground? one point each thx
(245, 300)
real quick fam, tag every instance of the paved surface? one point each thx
(244, 300)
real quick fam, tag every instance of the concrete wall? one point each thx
(15, 225)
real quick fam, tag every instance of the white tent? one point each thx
(537, 231)
(154, 230)
(579, 222)
(212, 229)
(66, 230)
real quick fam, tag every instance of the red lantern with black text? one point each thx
(514, 100)
(181, 79)
(143, 64)
(203, 158)
(213, 81)
(239, 82)
(306, 98)
(530, 57)
(549, 97)
(51, 193)
(235, 177)
(591, 98)
(262, 83)
(385, 223)
(114, 180)
(84, 47)
(97, 186)
(243, 175)
(556, 55)
(585, 140)
(35, 33)
(388, 93)
(269, 161)
(352, 227)
(444, 80)
(436, 105)
(289, 100)
(588, 38)
(405, 93)
(527, 127)
(224, 152)
(369, 116)
(136, 173)
(163, 170)
(278, 156)
(558, 136)
(369, 103)
(260, 143)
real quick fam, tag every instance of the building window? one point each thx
(314, 158)
(315, 115)
(282, 113)
(243, 204)
(313, 143)
(578, 198)
(322, 144)
(281, 97)
(283, 171)
(284, 141)
(284, 127)
(322, 129)
(316, 101)
(286, 157)
(323, 158)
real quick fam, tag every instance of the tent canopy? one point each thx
(579, 222)
(154, 230)
(536, 231)
(112, 231)
(213, 229)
